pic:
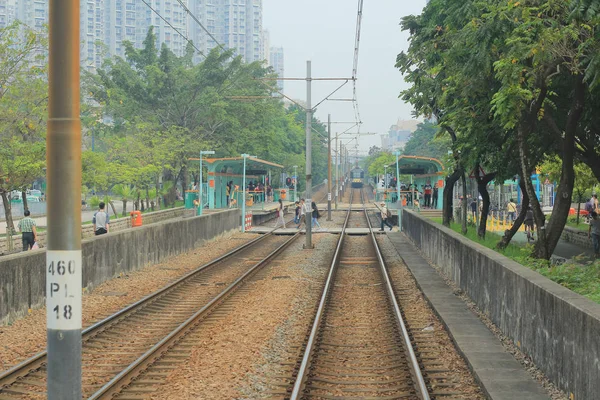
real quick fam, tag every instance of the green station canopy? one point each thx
(418, 166)
(235, 165)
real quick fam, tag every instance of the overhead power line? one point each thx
(201, 25)
(175, 29)
(355, 64)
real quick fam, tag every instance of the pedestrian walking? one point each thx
(280, 220)
(315, 215)
(385, 215)
(101, 220)
(302, 213)
(528, 222)
(297, 213)
(594, 233)
(511, 209)
(28, 231)
(474, 209)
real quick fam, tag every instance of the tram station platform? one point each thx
(501, 376)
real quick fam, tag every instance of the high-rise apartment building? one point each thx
(107, 24)
(120, 25)
(173, 32)
(236, 24)
(7, 12)
(277, 62)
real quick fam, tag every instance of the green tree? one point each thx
(23, 101)
(425, 142)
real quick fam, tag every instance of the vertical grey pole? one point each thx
(329, 167)
(63, 155)
(398, 190)
(337, 179)
(308, 216)
(199, 212)
(244, 195)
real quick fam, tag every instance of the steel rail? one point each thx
(9, 376)
(308, 353)
(416, 369)
(114, 386)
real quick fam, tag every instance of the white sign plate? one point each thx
(328, 196)
(63, 289)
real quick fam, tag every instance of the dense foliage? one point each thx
(144, 116)
(513, 83)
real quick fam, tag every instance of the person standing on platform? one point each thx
(428, 190)
(385, 215)
(101, 221)
(434, 198)
(228, 192)
(280, 220)
(28, 231)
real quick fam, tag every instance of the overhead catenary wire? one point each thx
(175, 29)
(201, 25)
(355, 63)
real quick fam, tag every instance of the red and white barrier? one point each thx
(248, 220)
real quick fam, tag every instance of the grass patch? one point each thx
(582, 278)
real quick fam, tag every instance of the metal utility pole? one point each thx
(309, 112)
(63, 155)
(337, 179)
(329, 167)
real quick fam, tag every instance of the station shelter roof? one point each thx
(235, 165)
(420, 167)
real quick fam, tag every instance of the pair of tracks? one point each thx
(120, 348)
(358, 346)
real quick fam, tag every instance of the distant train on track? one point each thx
(357, 176)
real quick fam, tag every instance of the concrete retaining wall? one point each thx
(558, 328)
(87, 230)
(577, 237)
(23, 277)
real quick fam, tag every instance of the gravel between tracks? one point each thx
(526, 361)
(27, 336)
(241, 351)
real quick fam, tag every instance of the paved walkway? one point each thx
(563, 249)
(501, 376)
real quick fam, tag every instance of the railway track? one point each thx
(120, 346)
(358, 345)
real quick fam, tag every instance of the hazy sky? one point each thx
(323, 31)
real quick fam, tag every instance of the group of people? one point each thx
(428, 192)
(302, 209)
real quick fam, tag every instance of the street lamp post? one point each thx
(244, 156)
(200, 205)
(397, 154)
